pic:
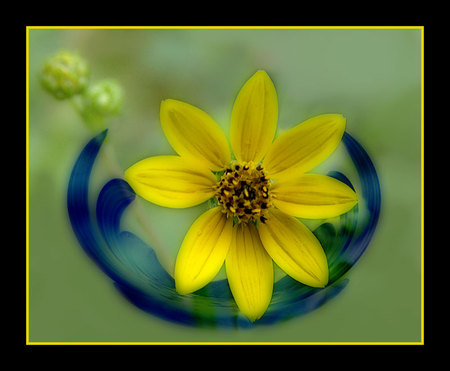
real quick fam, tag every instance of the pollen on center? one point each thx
(244, 192)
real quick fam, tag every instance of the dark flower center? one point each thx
(244, 192)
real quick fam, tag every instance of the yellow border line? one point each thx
(229, 343)
(27, 191)
(28, 342)
(422, 173)
(224, 27)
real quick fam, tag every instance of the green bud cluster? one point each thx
(65, 75)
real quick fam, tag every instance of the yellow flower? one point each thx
(259, 195)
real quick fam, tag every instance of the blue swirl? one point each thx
(138, 275)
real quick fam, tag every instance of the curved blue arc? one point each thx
(137, 273)
(77, 202)
(370, 186)
(83, 225)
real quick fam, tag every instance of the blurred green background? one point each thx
(371, 76)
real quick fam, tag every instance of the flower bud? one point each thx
(104, 98)
(65, 75)
(100, 101)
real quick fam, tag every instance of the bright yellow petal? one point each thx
(304, 146)
(249, 271)
(171, 181)
(203, 251)
(313, 196)
(194, 134)
(254, 118)
(294, 248)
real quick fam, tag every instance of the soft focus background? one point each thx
(371, 76)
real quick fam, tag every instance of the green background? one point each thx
(371, 76)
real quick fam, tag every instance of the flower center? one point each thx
(244, 192)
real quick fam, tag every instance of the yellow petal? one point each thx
(203, 251)
(254, 118)
(313, 196)
(194, 134)
(304, 146)
(249, 271)
(171, 181)
(294, 248)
